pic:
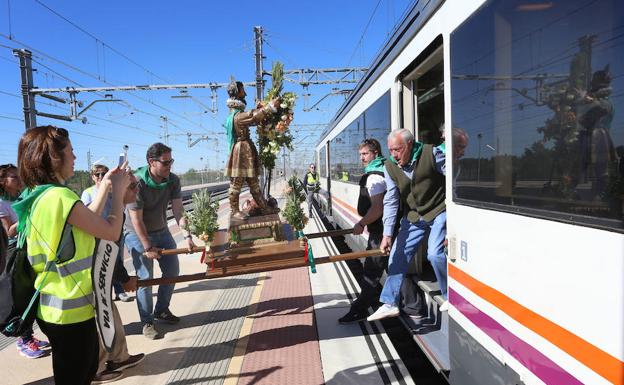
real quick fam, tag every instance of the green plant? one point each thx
(203, 220)
(293, 213)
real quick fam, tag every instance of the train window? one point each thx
(323, 162)
(377, 121)
(536, 86)
(345, 162)
(429, 89)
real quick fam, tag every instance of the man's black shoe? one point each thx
(353, 316)
(167, 317)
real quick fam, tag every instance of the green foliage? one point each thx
(80, 181)
(277, 82)
(296, 188)
(202, 221)
(293, 213)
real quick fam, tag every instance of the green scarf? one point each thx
(229, 128)
(7, 197)
(416, 150)
(376, 164)
(443, 147)
(143, 174)
(22, 207)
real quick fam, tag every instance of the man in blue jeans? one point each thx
(415, 180)
(147, 233)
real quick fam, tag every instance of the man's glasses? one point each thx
(133, 185)
(164, 162)
(99, 174)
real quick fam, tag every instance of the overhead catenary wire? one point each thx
(358, 45)
(95, 77)
(11, 118)
(101, 41)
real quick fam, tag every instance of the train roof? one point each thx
(411, 23)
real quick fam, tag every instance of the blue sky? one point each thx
(177, 42)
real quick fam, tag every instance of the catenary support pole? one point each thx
(28, 99)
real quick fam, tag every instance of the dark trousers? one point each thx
(75, 349)
(12, 244)
(371, 275)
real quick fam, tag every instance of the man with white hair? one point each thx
(415, 180)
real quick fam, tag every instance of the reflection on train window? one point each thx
(537, 87)
(430, 96)
(323, 162)
(345, 163)
(377, 121)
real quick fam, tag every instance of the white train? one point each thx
(535, 220)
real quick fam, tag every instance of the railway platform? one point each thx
(277, 327)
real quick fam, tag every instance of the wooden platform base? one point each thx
(263, 227)
(253, 256)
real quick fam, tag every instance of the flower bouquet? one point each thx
(203, 220)
(273, 132)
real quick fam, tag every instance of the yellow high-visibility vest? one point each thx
(67, 292)
(311, 181)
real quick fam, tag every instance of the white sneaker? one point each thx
(384, 311)
(444, 306)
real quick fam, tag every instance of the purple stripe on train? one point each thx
(540, 365)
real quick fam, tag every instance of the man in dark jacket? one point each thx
(370, 207)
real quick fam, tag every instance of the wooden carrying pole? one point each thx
(217, 249)
(232, 268)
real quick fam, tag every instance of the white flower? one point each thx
(284, 117)
(283, 105)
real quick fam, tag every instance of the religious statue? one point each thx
(243, 164)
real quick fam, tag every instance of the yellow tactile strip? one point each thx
(234, 369)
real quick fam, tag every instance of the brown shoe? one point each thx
(130, 362)
(106, 376)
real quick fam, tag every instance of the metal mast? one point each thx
(30, 113)
(259, 70)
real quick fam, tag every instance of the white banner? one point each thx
(102, 274)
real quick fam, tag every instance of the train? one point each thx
(534, 207)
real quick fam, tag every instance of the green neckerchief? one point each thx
(7, 197)
(229, 128)
(376, 164)
(143, 174)
(416, 150)
(443, 147)
(22, 206)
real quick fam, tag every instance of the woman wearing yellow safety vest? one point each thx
(60, 233)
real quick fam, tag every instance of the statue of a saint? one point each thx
(243, 164)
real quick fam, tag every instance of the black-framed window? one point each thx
(377, 121)
(345, 163)
(539, 88)
(323, 162)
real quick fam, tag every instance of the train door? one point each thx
(423, 97)
(422, 111)
(422, 107)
